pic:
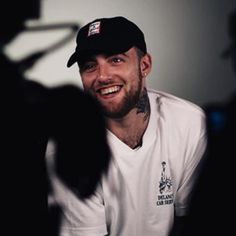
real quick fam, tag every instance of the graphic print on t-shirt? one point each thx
(165, 187)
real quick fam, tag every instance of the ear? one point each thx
(146, 64)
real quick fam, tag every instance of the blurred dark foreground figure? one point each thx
(32, 115)
(213, 202)
(80, 152)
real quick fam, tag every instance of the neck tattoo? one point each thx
(143, 105)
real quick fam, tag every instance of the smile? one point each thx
(110, 90)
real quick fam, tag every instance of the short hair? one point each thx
(140, 53)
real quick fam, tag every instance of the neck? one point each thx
(130, 128)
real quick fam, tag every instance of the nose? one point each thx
(104, 73)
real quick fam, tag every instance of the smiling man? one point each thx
(157, 140)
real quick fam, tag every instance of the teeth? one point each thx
(106, 91)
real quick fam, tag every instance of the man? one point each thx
(157, 140)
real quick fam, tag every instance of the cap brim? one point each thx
(72, 60)
(79, 56)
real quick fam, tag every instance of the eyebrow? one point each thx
(116, 54)
(106, 55)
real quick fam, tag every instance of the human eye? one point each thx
(88, 66)
(116, 59)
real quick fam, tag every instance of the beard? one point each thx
(129, 101)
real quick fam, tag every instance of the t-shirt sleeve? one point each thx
(195, 155)
(83, 218)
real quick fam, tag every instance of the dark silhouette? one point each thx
(31, 115)
(23, 140)
(77, 128)
(213, 202)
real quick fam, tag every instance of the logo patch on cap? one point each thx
(94, 28)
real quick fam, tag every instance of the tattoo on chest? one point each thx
(143, 105)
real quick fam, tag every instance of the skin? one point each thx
(118, 83)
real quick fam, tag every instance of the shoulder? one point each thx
(176, 106)
(177, 114)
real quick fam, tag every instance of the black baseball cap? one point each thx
(111, 35)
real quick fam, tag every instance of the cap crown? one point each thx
(111, 35)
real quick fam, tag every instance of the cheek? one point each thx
(135, 76)
(131, 74)
(87, 83)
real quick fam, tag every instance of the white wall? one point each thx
(185, 38)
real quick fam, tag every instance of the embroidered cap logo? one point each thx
(94, 28)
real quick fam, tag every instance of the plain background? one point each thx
(185, 38)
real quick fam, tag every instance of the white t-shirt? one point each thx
(144, 186)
